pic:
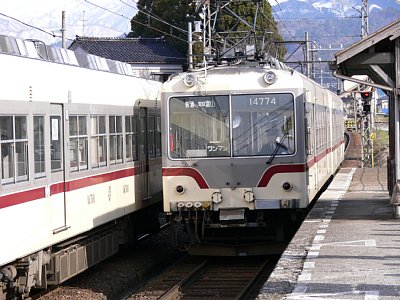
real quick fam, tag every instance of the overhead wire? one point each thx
(32, 26)
(135, 21)
(154, 16)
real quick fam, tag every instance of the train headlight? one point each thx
(287, 186)
(270, 77)
(248, 196)
(216, 197)
(189, 204)
(180, 205)
(180, 189)
(197, 204)
(190, 80)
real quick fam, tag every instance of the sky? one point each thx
(83, 17)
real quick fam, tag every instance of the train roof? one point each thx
(234, 78)
(38, 50)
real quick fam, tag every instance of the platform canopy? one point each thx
(378, 57)
(374, 56)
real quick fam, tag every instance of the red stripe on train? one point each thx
(186, 172)
(21, 197)
(322, 154)
(277, 169)
(38, 193)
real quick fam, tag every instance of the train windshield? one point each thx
(263, 124)
(199, 126)
(249, 125)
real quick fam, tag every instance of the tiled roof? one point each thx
(131, 50)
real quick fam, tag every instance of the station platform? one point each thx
(348, 247)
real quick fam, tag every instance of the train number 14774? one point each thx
(262, 101)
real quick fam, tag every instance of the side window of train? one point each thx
(78, 143)
(131, 140)
(116, 139)
(39, 148)
(56, 144)
(158, 136)
(14, 149)
(142, 138)
(98, 142)
(308, 122)
(151, 141)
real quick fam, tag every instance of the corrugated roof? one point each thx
(131, 50)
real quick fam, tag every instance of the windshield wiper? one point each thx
(278, 146)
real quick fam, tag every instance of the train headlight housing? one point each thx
(248, 196)
(216, 197)
(180, 189)
(190, 80)
(270, 77)
(287, 186)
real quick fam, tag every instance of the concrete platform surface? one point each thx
(347, 248)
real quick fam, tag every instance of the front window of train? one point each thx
(203, 126)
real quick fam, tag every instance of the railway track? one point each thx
(209, 278)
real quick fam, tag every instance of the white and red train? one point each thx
(80, 168)
(222, 181)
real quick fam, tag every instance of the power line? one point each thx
(152, 15)
(32, 26)
(322, 18)
(133, 20)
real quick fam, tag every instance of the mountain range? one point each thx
(334, 22)
(105, 18)
(330, 24)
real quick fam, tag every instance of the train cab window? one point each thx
(14, 149)
(39, 148)
(131, 139)
(263, 124)
(98, 142)
(56, 144)
(78, 143)
(116, 140)
(199, 126)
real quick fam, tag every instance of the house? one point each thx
(151, 58)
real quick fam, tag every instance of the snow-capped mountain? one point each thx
(328, 22)
(91, 18)
(329, 8)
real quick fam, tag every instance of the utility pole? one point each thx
(83, 23)
(307, 56)
(366, 125)
(364, 18)
(63, 29)
(190, 45)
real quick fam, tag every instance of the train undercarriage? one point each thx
(237, 232)
(58, 263)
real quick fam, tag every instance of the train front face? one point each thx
(232, 151)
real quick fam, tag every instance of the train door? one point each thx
(57, 168)
(144, 157)
(311, 146)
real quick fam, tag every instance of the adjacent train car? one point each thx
(245, 150)
(80, 168)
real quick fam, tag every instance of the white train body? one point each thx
(214, 175)
(80, 150)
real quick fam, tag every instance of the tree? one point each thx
(237, 24)
(163, 18)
